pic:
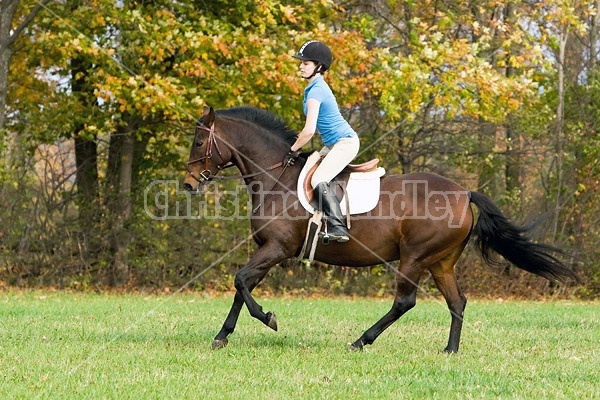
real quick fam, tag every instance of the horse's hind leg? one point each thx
(407, 280)
(445, 279)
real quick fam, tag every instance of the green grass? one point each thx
(62, 345)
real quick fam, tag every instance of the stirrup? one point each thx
(324, 234)
(326, 237)
(339, 238)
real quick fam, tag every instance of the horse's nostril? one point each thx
(188, 187)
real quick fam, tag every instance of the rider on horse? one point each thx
(323, 115)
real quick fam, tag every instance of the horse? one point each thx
(423, 220)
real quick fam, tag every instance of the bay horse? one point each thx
(422, 219)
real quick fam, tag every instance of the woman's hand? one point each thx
(290, 158)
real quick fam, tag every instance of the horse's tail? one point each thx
(495, 232)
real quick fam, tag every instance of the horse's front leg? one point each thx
(245, 281)
(220, 340)
(228, 328)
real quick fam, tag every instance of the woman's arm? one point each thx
(310, 126)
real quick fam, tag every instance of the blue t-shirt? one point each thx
(331, 124)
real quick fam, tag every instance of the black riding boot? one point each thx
(330, 205)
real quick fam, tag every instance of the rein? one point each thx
(207, 174)
(224, 178)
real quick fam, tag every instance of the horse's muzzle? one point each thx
(193, 184)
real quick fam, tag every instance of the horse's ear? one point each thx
(208, 116)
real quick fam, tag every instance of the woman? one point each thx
(323, 116)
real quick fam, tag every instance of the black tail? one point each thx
(495, 232)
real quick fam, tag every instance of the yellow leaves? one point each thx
(454, 88)
(123, 105)
(581, 188)
(145, 95)
(76, 44)
(513, 104)
(132, 82)
(98, 20)
(429, 53)
(239, 58)
(288, 13)
(222, 47)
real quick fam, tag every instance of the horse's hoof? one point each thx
(355, 347)
(219, 343)
(450, 351)
(272, 321)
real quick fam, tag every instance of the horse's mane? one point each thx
(266, 119)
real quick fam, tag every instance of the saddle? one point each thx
(341, 180)
(356, 187)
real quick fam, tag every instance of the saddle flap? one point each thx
(343, 176)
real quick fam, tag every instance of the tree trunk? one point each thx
(593, 45)
(558, 133)
(512, 172)
(7, 13)
(88, 199)
(486, 141)
(138, 169)
(86, 160)
(119, 176)
(5, 54)
(8, 9)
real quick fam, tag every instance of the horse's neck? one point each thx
(255, 153)
(265, 165)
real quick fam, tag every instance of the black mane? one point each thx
(263, 118)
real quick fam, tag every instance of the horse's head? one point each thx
(208, 155)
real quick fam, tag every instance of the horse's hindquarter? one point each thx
(423, 216)
(429, 198)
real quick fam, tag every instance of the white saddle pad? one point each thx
(362, 189)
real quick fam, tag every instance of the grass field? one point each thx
(61, 345)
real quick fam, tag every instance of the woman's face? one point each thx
(307, 68)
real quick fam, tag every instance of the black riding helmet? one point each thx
(316, 51)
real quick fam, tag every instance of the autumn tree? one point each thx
(133, 77)
(469, 90)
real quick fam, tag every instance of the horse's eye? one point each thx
(199, 143)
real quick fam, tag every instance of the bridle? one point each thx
(206, 174)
